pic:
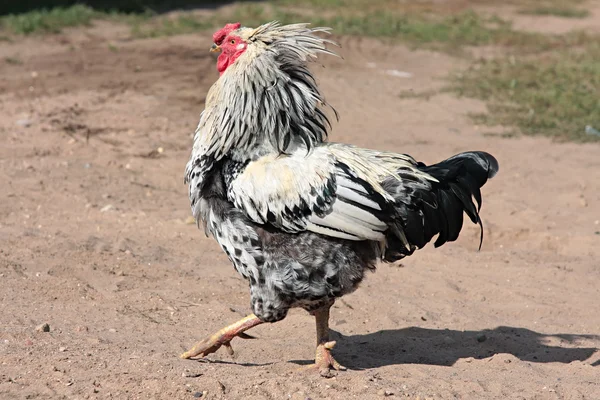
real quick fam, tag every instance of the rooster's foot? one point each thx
(324, 361)
(223, 338)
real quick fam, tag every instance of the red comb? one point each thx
(222, 33)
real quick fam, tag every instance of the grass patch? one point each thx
(449, 33)
(48, 21)
(557, 95)
(56, 19)
(563, 11)
(445, 33)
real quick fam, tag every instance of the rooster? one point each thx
(300, 218)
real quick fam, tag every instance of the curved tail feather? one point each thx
(438, 209)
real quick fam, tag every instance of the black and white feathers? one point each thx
(356, 194)
(299, 218)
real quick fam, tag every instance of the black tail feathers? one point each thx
(438, 210)
(460, 179)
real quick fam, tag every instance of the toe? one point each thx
(337, 366)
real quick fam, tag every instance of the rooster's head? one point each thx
(266, 98)
(230, 42)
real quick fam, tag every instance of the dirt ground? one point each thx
(96, 241)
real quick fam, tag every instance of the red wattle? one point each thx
(222, 63)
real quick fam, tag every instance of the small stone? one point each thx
(481, 338)
(160, 150)
(197, 395)
(106, 208)
(298, 396)
(327, 373)
(62, 349)
(25, 123)
(112, 330)
(43, 328)
(189, 374)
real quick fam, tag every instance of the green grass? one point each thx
(564, 11)
(445, 33)
(448, 33)
(56, 19)
(555, 95)
(48, 21)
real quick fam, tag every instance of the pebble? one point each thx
(385, 393)
(106, 208)
(298, 396)
(327, 373)
(62, 349)
(43, 328)
(190, 374)
(25, 123)
(481, 338)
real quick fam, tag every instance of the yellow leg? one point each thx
(223, 337)
(324, 361)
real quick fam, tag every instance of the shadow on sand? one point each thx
(444, 347)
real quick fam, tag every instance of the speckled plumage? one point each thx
(302, 219)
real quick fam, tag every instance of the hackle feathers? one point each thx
(267, 101)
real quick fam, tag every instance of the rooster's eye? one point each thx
(232, 41)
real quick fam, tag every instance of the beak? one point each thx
(215, 49)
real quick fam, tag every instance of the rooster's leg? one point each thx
(223, 337)
(324, 361)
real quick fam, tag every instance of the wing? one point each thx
(332, 191)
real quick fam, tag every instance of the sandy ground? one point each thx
(96, 241)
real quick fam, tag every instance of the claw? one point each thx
(324, 361)
(243, 335)
(229, 348)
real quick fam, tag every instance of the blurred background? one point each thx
(123, 5)
(560, 99)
